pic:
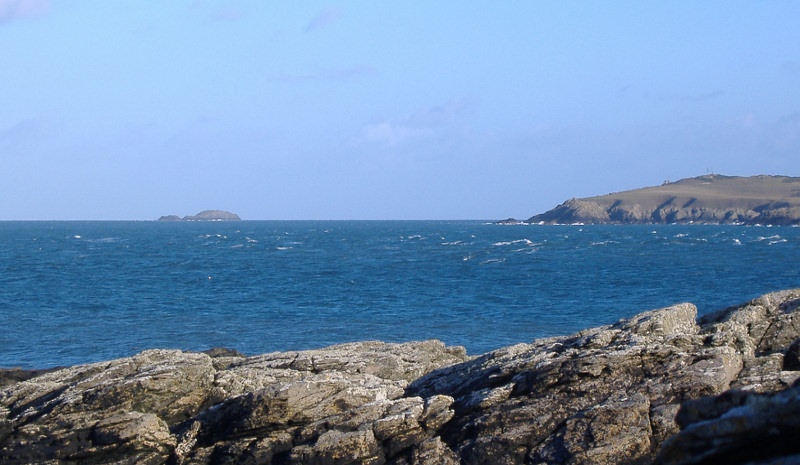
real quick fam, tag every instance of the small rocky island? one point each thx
(710, 199)
(205, 215)
(661, 387)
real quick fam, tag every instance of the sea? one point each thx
(74, 292)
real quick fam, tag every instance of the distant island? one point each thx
(205, 215)
(709, 199)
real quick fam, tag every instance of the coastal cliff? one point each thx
(660, 387)
(713, 199)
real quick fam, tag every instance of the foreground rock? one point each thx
(605, 395)
(713, 199)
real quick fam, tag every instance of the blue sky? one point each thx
(126, 109)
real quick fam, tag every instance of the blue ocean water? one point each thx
(77, 292)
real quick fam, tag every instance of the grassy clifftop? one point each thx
(706, 199)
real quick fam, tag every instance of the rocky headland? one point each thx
(661, 387)
(712, 199)
(205, 215)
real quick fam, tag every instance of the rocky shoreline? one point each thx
(662, 387)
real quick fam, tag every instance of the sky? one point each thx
(131, 109)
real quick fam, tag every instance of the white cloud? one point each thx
(11, 10)
(425, 123)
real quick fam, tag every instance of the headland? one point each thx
(709, 199)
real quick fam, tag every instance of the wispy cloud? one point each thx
(441, 114)
(624, 90)
(790, 67)
(215, 10)
(228, 13)
(425, 123)
(687, 97)
(12, 10)
(390, 133)
(24, 131)
(326, 75)
(324, 19)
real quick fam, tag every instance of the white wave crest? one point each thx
(518, 241)
(605, 242)
(767, 238)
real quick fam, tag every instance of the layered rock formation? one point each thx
(660, 387)
(706, 199)
(205, 215)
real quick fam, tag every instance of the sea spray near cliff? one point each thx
(77, 292)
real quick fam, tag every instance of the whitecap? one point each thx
(518, 241)
(527, 250)
(103, 240)
(493, 260)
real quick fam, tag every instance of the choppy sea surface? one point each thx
(79, 292)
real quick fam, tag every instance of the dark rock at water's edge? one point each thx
(10, 376)
(509, 221)
(711, 199)
(205, 215)
(661, 387)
